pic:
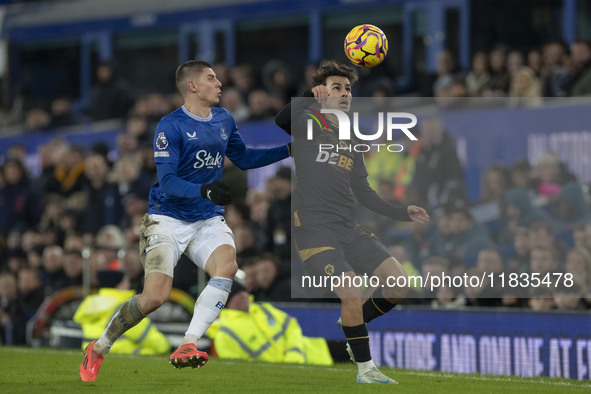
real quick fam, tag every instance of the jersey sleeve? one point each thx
(167, 143)
(369, 198)
(284, 118)
(246, 158)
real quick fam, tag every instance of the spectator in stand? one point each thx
(525, 89)
(498, 85)
(12, 324)
(103, 204)
(73, 264)
(242, 79)
(544, 260)
(551, 174)
(129, 179)
(31, 292)
(468, 237)
(20, 204)
(258, 104)
(138, 127)
(555, 74)
(578, 264)
(439, 178)
(273, 281)
(534, 61)
(133, 270)
(518, 260)
(16, 259)
(37, 119)
(279, 216)
(518, 210)
(446, 73)
(520, 174)
(541, 299)
(572, 207)
(54, 278)
(580, 80)
(515, 62)
(569, 298)
(109, 244)
(69, 172)
(109, 98)
(580, 238)
(496, 181)
(232, 101)
(479, 76)
(62, 114)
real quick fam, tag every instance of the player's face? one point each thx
(339, 93)
(208, 87)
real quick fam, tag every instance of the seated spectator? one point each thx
(232, 101)
(54, 278)
(572, 207)
(37, 119)
(569, 298)
(73, 265)
(12, 322)
(498, 84)
(496, 181)
(518, 260)
(16, 259)
(259, 331)
(109, 97)
(62, 114)
(468, 238)
(534, 61)
(541, 299)
(525, 89)
(579, 83)
(133, 270)
(518, 210)
(544, 260)
(542, 234)
(578, 264)
(31, 292)
(272, 279)
(479, 76)
(555, 73)
(258, 104)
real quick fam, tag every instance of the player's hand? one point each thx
(320, 93)
(217, 192)
(417, 214)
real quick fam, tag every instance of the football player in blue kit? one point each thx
(185, 213)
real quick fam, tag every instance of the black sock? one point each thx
(376, 306)
(359, 341)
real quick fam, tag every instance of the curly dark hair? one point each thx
(333, 69)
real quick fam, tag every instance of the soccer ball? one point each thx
(366, 46)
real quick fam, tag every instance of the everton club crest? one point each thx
(223, 133)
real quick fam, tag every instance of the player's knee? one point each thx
(150, 301)
(396, 294)
(225, 269)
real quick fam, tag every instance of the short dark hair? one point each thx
(333, 69)
(191, 67)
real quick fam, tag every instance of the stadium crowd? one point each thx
(93, 199)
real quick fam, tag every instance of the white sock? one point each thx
(103, 345)
(365, 366)
(210, 303)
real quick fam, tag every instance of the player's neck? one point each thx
(198, 109)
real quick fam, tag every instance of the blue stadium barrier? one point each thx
(498, 342)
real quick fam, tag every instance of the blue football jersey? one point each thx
(197, 147)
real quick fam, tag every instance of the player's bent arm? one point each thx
(247, 158)
(370, 199)
(172, 184)
(283, 118)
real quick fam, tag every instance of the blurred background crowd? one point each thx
(86, 203)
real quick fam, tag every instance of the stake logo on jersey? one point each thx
(204, 158)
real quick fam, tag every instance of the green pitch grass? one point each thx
(25, 370)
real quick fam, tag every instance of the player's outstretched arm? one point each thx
(247, 158)
(370, 199)
(283, 118)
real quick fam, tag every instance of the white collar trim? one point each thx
(195, 117)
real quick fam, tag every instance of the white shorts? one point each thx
(171, 237)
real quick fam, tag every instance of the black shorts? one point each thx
(331, 249)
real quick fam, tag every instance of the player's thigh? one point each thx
(212, 246)
(160, 248)
(393, 279)
(321, 254)
(364, 251)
